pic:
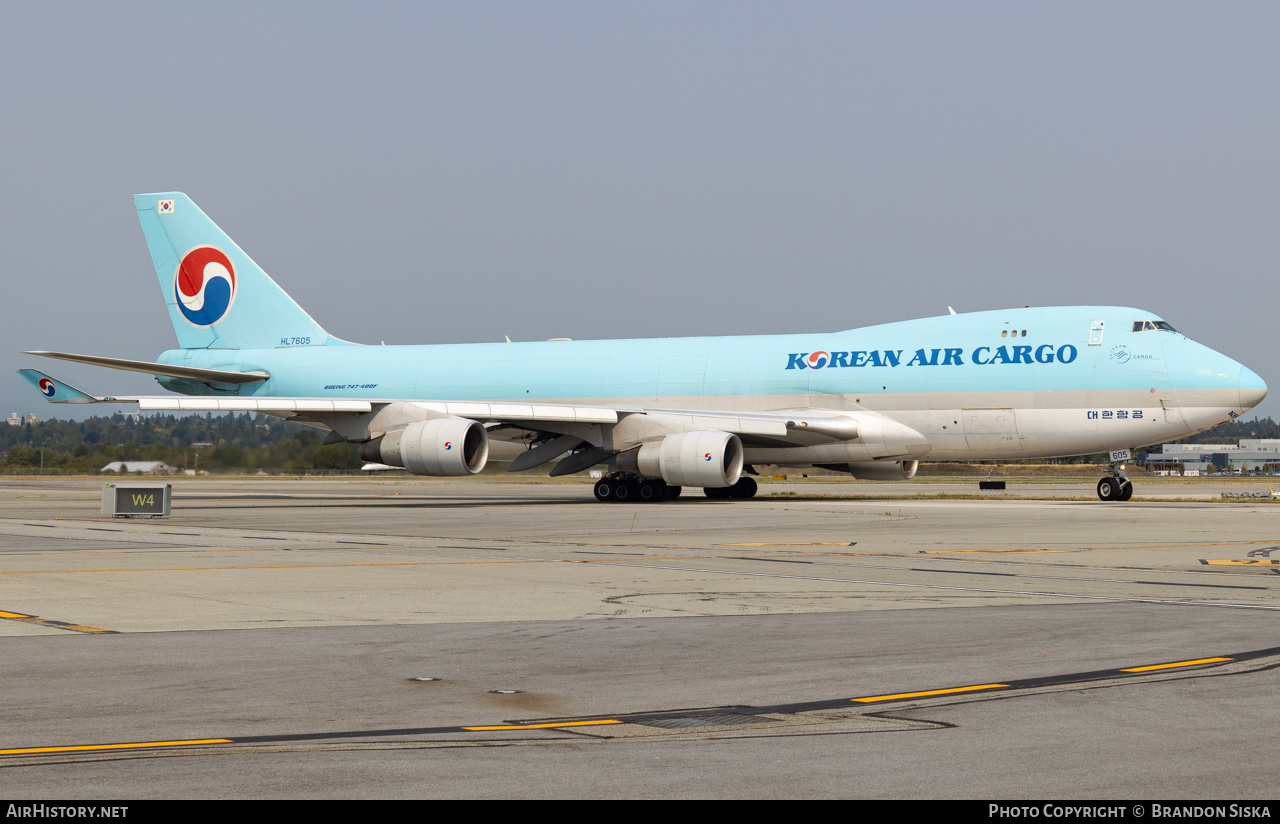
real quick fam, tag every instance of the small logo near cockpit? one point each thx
(1120, 354)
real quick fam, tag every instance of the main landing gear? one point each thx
(1116, 486)
(624, 487)
(744, 488)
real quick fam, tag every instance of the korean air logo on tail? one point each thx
(48, 388)
(204, 286)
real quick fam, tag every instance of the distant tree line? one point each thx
(1233, 431)
(228, 442)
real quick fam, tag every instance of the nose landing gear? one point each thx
(1116, 486)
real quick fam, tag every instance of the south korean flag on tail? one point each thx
(166, 207)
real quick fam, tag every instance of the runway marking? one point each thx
(1241, 562)
(134, 746)
(783, 709)
(1154, 667)
(545, 726)
(926, 693)
(46, 622)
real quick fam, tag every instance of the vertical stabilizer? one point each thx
(218, 298)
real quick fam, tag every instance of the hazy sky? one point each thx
(421, 173)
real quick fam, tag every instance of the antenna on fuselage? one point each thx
(952, 311)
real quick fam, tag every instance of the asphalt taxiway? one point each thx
(408, 637)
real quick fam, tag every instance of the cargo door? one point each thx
(992, 431)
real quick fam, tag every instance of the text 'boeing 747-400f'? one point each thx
(674, 412)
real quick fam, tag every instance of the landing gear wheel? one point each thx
(650, 491)
(744, 488)
(624, 492)
(673, 492)
(1116, 486)
(717, 492)
(604, 490)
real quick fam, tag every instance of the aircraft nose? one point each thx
(1252, 389)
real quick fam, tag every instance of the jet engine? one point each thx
(706, 458)
(440, 446)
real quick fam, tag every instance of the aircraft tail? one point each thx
(218, 298)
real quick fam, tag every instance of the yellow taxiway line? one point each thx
(1177, 664)
(926, 693)
(134, 746)
(545, 726)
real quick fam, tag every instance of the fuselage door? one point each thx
(1095, 333)
(991, 431)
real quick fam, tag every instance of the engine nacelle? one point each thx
(883, 470)
(441, 446)
(707, 458)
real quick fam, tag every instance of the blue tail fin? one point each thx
(218, 298)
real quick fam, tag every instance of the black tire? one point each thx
(716, 492)
(673, 492)
(604, 490)
(624, 492)
(1108, 489)
(1126, 492)
(649, 492)
(744, 488)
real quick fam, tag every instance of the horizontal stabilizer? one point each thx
(168, 370)
(55, 391)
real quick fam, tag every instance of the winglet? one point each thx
(55, 391)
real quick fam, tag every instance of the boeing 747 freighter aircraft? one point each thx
(667, 413)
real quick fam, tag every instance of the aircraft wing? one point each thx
(351, 417)
(784, 428)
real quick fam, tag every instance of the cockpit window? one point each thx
(1152, 326)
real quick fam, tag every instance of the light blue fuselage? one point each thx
(1072, 380)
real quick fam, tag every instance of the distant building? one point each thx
(14, 419)
(33, 419)
(1250, 455)
(145, 467)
